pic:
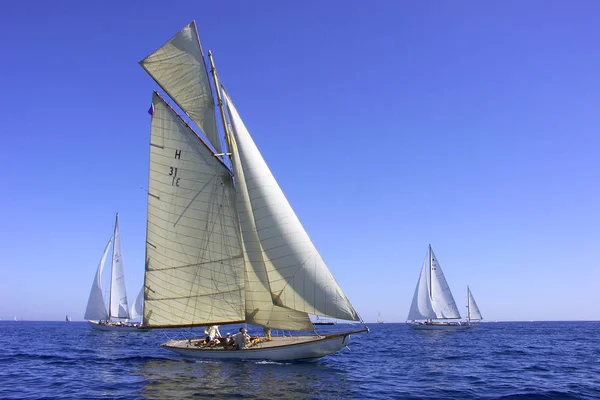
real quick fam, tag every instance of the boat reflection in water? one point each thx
(224, 379)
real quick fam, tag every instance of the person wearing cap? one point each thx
(228, 340)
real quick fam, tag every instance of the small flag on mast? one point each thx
(151, 109)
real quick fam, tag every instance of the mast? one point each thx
(220, 100)
(468, 304)
(112, 267)
(430, 275)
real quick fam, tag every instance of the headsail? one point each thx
(194, 262)
(298, 277)
(441, 296)
(118, 295)
(260, 309)
(474, 313)
(178, 67)
(96, 309)
(420, 307)
(138, 305)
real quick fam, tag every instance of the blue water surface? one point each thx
(504, 360)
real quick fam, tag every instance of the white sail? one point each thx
(420, 307)
(195, 266)
(298, 277)
(441, 296)
(137, 306)
(178, 67)
(260, 309)
(96, 309)
(118, 295)
(474, 313)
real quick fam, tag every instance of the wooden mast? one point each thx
(220, 99)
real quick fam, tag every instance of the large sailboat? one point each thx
(117, 316)
(433, 306)
(223, 245)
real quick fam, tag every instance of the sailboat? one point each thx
(379, 319)
(67, 318)
(473, 313)
(433, 306)
(96, 313)
(223, 245)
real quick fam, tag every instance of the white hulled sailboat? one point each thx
(433, 306)
(223, 246)
(96, 313)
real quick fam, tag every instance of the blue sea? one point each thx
(503, 360)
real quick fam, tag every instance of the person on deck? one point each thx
(240, 339)
(213, 333)
(267, 333)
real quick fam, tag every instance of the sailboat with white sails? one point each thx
(473, 313)
(96, 312)
(223, 245)
(433, 306)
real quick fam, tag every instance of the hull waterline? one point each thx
(295, 348)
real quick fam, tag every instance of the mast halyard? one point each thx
(213, 70)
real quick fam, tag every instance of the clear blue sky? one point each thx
(389, 125)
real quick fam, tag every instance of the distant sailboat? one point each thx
(473, 313)
(67, 318)
(223, 244)
(433, 306)
(96, 313)
(379, 319)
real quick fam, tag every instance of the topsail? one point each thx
(178, 67)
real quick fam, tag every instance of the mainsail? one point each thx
(298, 277)
(178, 67)
(96, 309)
(118, 295)
(473, 310)
(194, 261)
(441, 296)
(420, 307)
